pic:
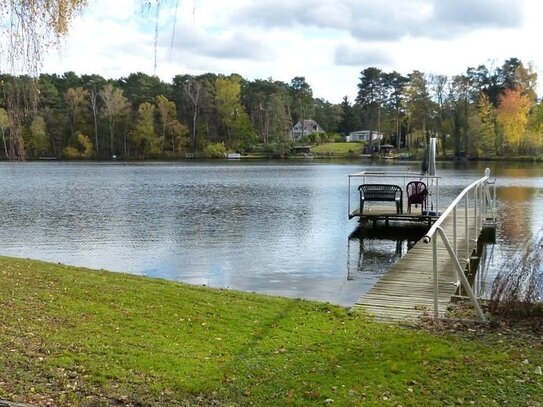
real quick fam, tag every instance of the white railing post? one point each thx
(477, 208)
(436, 280)
(349, 199)
(485, 208)
(455, 242)
(466, 224)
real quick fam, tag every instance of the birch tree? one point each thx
(114, 105)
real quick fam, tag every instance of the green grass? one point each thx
(71, 336)
(337, 149)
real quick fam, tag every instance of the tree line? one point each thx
(140, 116)
(485, 112)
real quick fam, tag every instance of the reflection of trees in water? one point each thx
(480, 269)
(515, 221)
(372, 251)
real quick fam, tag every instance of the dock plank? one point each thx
(406, 291)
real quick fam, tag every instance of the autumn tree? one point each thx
(512, 116)
(115, 104)
(535, 127)
(34, 25)
(166, 113)
(487, 129)
(172, 131)
(35, 137)
(231, 112)
(143, 135)
(30, 27)
(76, 100)
(80, 147)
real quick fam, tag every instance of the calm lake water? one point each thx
(277, 228)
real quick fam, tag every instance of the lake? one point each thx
(271, 227)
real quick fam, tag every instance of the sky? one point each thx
(329, 42)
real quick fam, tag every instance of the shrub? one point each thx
(215, 150)
(80, 147)
(518, 288)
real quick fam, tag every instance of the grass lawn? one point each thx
(337, 149)
(70, 336)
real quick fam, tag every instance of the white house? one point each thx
(364, 135)
(305, 128)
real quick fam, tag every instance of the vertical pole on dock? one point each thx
(483, 201)
(455, 242)
(437, 197)
(454, 232)
(436, 282)
(466, 224)
(478, 208)
(476, 204)
(349, 199)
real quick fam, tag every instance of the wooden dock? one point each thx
(406, 291)
(375, 213)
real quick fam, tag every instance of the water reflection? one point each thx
(516, 211)
(481, 263)
(373, 250)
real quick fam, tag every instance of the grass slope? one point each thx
(337, 149)
(71, 336)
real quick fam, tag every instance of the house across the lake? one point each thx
(305, 128)
(364, 135)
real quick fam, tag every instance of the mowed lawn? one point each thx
(71, 336)
(337, 149)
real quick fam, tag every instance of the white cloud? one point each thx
(327, 41)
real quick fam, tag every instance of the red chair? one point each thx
(417, 194)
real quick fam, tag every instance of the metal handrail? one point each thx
(482, 203)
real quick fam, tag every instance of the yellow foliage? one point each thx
(81, 147)
(32, 26)
(512, 115)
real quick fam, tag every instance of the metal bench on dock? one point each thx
(400, 180)
(381, 193)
